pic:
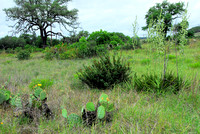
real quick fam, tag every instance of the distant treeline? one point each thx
(195, 29)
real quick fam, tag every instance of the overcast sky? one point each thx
(109, 15)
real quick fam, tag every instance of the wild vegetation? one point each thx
(103, 82)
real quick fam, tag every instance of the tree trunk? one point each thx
(43, 37)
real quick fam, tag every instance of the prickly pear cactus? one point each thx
(37, 92)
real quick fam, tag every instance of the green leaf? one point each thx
(43, 95)
(64, 113)
(90, 106)
(101, 112)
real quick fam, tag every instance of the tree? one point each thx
(33, 15)
(167, 11)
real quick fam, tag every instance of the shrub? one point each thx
(155, 83)
(10, 51)
(23, 55)
(113, 43)
(105, 73)
(127, 46)
(45, 83)
(18, 49)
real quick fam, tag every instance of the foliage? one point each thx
(11, 42)
(100, 37)
(168, 11)
(73, 38)
(23, 55)
(155, 83)
(9, 51)
(195, 29)
(81, 49)
(105, 73)
(45, 83)
(27, 15)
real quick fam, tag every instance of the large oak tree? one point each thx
(167, 11)
(33, 15)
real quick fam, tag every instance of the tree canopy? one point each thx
(33, 15)
(167, 11)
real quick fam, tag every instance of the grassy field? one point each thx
(136, 112)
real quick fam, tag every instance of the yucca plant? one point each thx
(105, 73)
(155, 83)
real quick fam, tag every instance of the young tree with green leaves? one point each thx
(168, 11)
(33, 15)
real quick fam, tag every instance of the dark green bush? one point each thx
(105, 73)
(128, 46)
(23, 55)
(155, 83)
(18, 49)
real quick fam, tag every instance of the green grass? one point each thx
(137, 112)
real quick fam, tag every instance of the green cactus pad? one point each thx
(64, 113)
(90, 106)
(103, 98)
(7, 94)
(37, 92)
(18, 102)
(2, 98)
(43, 95)
(101, 112)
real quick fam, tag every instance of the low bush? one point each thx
(105, 73)
(23, 55)
(81, 49)
(45, 83)
(158, 84)
(127, 46)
